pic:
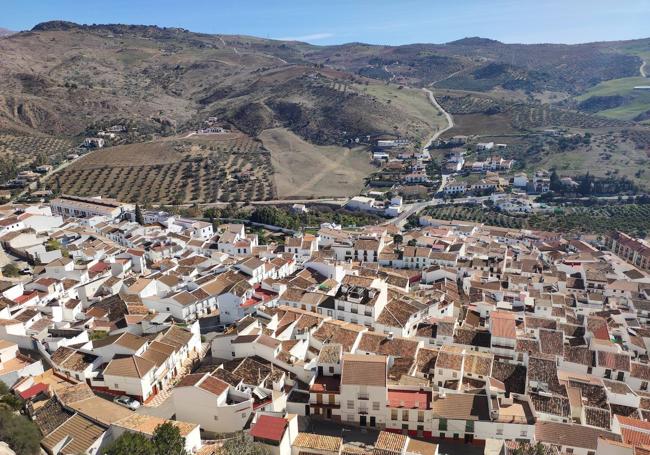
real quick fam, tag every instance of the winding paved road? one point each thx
(412, 209)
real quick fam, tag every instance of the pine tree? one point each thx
(138, 215)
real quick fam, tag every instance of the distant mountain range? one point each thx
(5, 32)
(62, 78)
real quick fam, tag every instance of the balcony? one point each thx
(363, 411)
(363, 396)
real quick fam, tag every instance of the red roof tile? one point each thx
(269, 428)
(33, 391)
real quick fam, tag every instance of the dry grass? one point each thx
(305, 170)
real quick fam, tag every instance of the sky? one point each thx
(370, 21)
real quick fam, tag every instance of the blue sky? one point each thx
(371, 21)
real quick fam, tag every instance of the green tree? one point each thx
(167, 439)
(526, 448)
(19, 432)
(138, 215)
(398, 239)
(10, 270)
(131, 444)
(52, 245)
(555, 183)
(8, 400)
(242, 445)
(585, 186)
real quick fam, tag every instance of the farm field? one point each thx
(203, 169)
(634, 102)
(25, 148)
(630, 218)
(303, 170)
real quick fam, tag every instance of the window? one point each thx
(393, 414)
(405, 415)
(243, 415)
(216, 417)
(442, 425)
(523, 433)
(375, 405)
(439, 371)
(331, 369)
(455, 435)
(420, 416)
(350, 404)
(644, 385)
(469, 426)
(569, 450)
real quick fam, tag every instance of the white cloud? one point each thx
(312, 37)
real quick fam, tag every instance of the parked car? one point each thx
(127, 402)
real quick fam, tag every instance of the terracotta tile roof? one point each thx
(100, 410)
(503, 325)
(613, 360)
(554, 405)
(478, 363)
(80, 433)
(317, 442)
(425, 361)
(147, 424)
(269, 428)
(551, 341)
(512, 376)
(391, 442)
(364, 370)
(537, 322)
(450, 359)
(472, 337)
(461, 406)
(338, 332)
(597, 417)
(50, 415)
(564, 434)
(640, 371)
(73, 393)
(330, 353)
(377, 343)
(409, 399)
(529, 345)
(132, 367)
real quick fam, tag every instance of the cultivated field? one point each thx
(197, 169)
(305, 170)
(630, 218)
(25, 148)
(632, 102)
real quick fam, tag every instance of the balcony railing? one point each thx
(363, 396)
